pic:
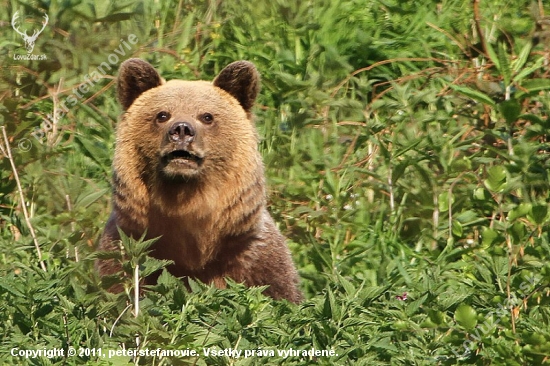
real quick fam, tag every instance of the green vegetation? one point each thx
(407, 148)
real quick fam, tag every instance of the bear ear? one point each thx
(242, 81)
(135, 77)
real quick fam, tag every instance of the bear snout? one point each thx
(181, 151)
(181, 132)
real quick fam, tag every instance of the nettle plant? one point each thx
(513, 159)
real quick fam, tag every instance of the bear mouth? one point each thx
(180, 163)
(182, 157)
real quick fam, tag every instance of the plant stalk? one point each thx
(7, 152)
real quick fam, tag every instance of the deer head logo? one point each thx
(29, 40)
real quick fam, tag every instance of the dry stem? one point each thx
(7, 151)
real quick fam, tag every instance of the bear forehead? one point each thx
(201, 90)
(187, 97)
(176, 94)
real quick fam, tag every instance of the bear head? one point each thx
(188, 172)
(183, 130)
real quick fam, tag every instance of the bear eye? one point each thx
(163, 116)
(207, 118)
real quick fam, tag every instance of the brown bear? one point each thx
(187, 169)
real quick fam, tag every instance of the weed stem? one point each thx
(7, 152)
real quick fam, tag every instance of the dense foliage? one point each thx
(407, 149)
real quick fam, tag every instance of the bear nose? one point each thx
(181, 131)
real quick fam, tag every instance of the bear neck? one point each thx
(229, 211)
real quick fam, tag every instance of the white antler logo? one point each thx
(29, 40)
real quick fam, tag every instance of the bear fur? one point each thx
(187, 169)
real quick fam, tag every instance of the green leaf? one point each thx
(466, 316)
(496, 180)
(517, 231)
(151, 265)
(443, 201)
(136, 249)
(463, 164)
(468, 217)
(481, 194)
(538, 214)
(437, 317)
(533, 86)
(87, 200)
(531, 118)
(194, 285)
(510, 110)
(529, 70)
(94, 149)
(372, 293)
(520, 211)
(520, 61)
(474, 94)
(457, 229)
(492, 55)
(9, 288)
(186, 30)
(347, 285)
(328, 305)
(504, 62)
